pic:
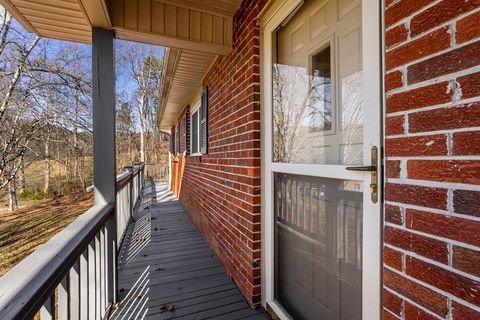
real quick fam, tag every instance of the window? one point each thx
(199, 126)
(194, 135)
(203, 121)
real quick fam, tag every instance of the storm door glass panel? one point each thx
(318, 247)
(317, 88)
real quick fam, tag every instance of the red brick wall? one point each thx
(221, 190)
(432, 149)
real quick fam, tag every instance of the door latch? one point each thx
(373, 169)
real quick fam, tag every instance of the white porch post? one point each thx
(104, 162)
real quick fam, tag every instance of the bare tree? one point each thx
(145, 69)
(33, 82)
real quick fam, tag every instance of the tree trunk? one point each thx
(47, 169)
(12, 196)
(130, 149)
(154, 144)
(142, 127)
(21, 185)
(82, 175)
(142, 141)
(75, 140)
(67, 167)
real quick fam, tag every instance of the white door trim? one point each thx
(372, 232)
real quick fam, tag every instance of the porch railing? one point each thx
(129, 185)
(73, 275)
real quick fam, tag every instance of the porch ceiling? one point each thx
(183, 72)
(199, 25)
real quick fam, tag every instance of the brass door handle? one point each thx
(362, 168)
(373, 173)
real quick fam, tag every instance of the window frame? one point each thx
(195, 110)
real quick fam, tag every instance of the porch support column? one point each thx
(104, 162)
(103, 115)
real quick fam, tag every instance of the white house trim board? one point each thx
(372, 136)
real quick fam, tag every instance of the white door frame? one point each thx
(372, 218)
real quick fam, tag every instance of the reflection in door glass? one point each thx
(302, 104)
(318, 247)
(317, 98)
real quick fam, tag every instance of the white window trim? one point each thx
(195, 109)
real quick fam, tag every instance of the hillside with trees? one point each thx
(46, 116)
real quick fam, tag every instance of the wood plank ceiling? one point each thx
(183, 74)
(200, 30)
(200, 25)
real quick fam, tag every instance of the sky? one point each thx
(124, 80)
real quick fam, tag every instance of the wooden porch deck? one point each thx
(167, 271)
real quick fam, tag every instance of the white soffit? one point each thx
(199, 25)
(184, 78)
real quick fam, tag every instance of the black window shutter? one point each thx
(177, 140)
(172, 141)
(204, 122)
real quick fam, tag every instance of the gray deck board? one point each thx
(164, 261)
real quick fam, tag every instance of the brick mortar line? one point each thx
(233, 166)
(220, 152)
(427, 6)
(419, 306)
(419, 36)
(229, 188)
(233, 227)
(435, 184)
(229, 180)
(399, 295)
(404, 67)
(223, 125)
(243, 201)
(443, 78)
(445, 240)
(406, 21)
(392, 314)
(236, 128)
(234, 143)
(232, 99)
(218, 98)
(433, 158)
(432, 210)
(231, 237)
(435, 289)
(424, 8)
(239, 120)
(450, 104)
(431, 133)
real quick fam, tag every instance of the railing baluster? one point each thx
(76, 269)
(102, 270)
(74, 291)
(111, 236)
(130, 197)
(97, 277)
(84, 285)
(63, 299)
(106, 266)
(91, 280)
(47, 312)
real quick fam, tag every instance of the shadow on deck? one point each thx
(167, 271)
